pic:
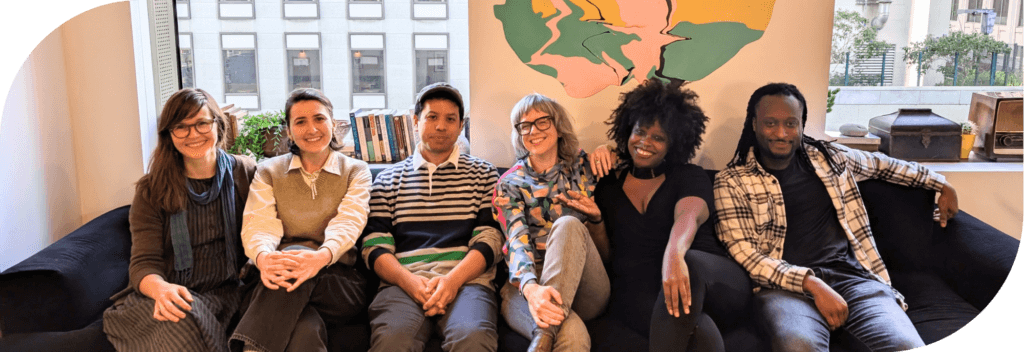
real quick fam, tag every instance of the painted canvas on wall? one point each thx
(588, 45)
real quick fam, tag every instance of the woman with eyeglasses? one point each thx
(305, 211)
(545, 206)
(184, 287)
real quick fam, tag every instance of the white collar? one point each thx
(330, 166)
(418, 160)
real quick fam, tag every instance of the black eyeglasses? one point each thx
(542, 124)
(182, 130)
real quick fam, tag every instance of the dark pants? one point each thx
(278, 320)
(399, 324)
(720, 291)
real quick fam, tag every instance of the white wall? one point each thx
(38, 174)
(70, 135)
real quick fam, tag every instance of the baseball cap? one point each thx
(446, 90)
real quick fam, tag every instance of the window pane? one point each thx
(952, 12)
(431, 67)
(368, 71)
(240, 71)
(188, 76)
(303, 69)
(1002, 8)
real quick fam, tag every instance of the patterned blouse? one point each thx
(524, 206)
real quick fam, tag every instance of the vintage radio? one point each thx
(917, 135)
(998, 116)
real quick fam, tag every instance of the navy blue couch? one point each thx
(53, 301)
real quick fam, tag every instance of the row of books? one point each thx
(382, 135)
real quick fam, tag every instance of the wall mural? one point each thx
(588, 45)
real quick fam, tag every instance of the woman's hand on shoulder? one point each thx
(602, 160)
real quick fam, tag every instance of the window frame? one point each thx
(284, 12)
(256, 68)
(320, 60)
(192, 51)
(252, 6)
(447, 10)
(448, 56)
(188, 5)
(348, 9)
(384, 67)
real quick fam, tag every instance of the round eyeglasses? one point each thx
(183, 131)
(542, 124)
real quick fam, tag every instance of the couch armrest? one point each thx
(976, 257)
(68, 284)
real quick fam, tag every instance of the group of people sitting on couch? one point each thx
(230, 255)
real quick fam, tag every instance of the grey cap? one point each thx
(439, 87)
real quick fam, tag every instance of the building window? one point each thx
(429, 9)
(431, 59)
(952, 12)
(236, 9)
(368, 73)
(303, 60)
(1002, 8)
(241, 81)
(974, 5)
(188, 74)
(301, 9)
(183, 10)
(365, 9)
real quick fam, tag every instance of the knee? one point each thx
(310, 327)
(566, 227)
(467, 336)
(395, 338)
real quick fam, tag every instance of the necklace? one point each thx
(645, 173)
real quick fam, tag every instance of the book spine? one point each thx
(371, 153)
(413, 136)
(355, 137)
(380, 139)
(400, 134)
(392, 138)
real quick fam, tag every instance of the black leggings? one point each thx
(714, 276)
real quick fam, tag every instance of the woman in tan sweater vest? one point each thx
(305, 212)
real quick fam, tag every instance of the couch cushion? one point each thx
(936, 310)
(976, 257)
(901, 221)
(78, 274)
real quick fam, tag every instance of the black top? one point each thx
(814, 237)
(638, 240)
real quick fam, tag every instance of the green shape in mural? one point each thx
(524, 30)
(711, 46)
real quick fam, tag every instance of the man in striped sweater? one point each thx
(432, 239)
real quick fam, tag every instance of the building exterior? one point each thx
(368, 54)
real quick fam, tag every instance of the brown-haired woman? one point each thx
(185, 220)
(305, 212)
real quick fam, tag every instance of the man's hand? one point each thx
(444, 290)
(306, 265)
(545, 305)
(830, 304)
(416, 287)
(675, 281)
(948, 206)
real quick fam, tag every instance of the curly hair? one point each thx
(674, 109)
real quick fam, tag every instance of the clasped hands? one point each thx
(279, 268)
(433, 294)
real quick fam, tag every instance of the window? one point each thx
(1002, 8)
(365, 10)
(182, 8)
(431, 59)
(303, 60)
(952, 12)
(368, 74)
(188, 74)
(429, 9)
(236, 9)
(973, 5)
(240, 70)
(301, 9)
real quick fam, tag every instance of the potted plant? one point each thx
(261, 135)
(966, 139)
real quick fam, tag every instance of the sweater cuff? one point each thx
(526, 279)
(372, 258)
(486, 251)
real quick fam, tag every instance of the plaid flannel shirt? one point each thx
(752, 216)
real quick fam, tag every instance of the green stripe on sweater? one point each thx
(429, 258)
(388, 240)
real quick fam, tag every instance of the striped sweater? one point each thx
(430, 220)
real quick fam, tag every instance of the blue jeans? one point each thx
(398, 322)
(876, 318)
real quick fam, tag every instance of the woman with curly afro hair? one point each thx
(665, 263)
